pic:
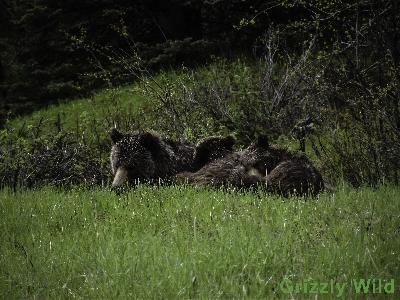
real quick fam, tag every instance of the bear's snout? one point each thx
(120, 177)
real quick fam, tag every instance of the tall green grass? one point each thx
(184, 242)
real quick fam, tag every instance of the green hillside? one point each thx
(100, 107)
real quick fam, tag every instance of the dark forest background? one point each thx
(48, 48)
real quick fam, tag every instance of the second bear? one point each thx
(281, 170)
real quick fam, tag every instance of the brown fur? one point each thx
(212, 148)
(230, 170)
(289, 172)
(146, 156)
(243, 169)
(295, 177)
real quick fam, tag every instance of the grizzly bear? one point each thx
(243, 169)
(289, 172)
(212, 148)
(295, 177)
(146, 156)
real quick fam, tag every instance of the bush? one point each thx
(29, 158)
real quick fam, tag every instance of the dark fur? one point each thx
(146, 156)
(295, 177)
(231, 170)
(212, 148)
(243, 169)
(289, 172)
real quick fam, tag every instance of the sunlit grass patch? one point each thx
(180, 242)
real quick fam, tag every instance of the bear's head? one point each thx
(136, 157)
(212, 148)
(262, 157)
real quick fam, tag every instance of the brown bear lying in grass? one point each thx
(281, 170)
(210, 149)
(146, 156)
(295, 177)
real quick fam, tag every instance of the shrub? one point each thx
(31, 159)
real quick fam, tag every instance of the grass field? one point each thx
(183, 242)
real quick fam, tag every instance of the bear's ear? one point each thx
(228, 142)
(115, 135)
(150, 141)
(262, 141)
